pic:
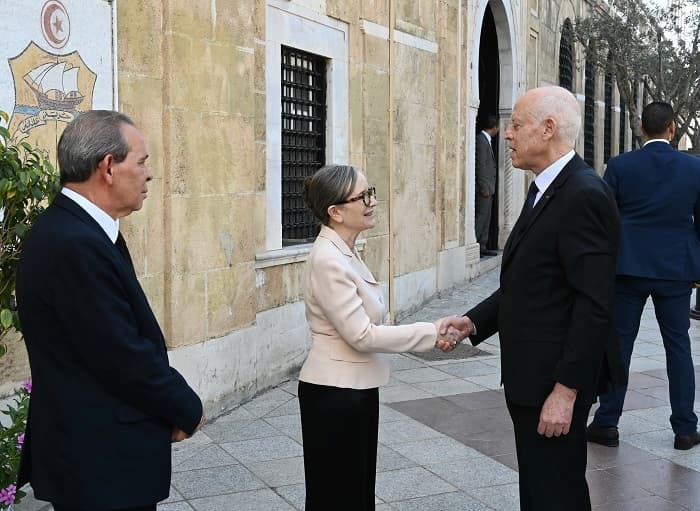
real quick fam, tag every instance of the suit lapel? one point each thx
(66, 203)
(74, 208)
(525, 221)
(355, 261)
(121, 246)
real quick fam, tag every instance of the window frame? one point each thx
(292, 25)
(304, 120)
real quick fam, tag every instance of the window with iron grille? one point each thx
(607, 123)
(623, 127)
(303, 138)
(589, 115)
(635, 100)
(566, 75)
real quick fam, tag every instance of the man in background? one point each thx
(486, 171)
(657, 190)
(105, 403)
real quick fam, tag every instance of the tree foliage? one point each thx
(654, 49)
(27, 184)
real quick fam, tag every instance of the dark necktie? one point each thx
(522, 222)
(531, 194)
(121, 246)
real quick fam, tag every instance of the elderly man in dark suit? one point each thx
(105, 402)
(553, 309)
(658, 194)
(486, 172)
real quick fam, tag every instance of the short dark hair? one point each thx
(329, 185)
(656, 118)
(488, 122)
(87, 139)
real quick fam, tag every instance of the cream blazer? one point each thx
(345, 310)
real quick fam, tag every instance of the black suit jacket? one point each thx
(104, 398)
(554, 307)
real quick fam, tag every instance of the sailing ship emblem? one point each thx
(50, 90)
(55, 86)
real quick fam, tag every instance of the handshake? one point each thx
(451, 330)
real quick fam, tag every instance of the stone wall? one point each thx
(196, 77)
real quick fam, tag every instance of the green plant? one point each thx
(11, 444)
(27, 185)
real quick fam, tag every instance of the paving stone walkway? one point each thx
(445, 440)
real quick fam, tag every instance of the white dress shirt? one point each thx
(108, 224)
(548, 175)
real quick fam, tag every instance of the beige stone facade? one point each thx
(401, 105)
(201, 78)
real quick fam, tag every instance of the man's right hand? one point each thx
(178, 435)
(449, 341)
(462, 324)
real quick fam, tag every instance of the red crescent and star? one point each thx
(55, 24)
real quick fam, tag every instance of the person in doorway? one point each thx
(553, 309)
(486, 172)
(105, 403)
(657, 190)
(345, 309)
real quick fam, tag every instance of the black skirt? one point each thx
(339, 428)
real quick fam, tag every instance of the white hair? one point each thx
(562, 106)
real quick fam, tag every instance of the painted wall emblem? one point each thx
(50, 88)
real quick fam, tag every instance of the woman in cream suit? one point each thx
(345, 309)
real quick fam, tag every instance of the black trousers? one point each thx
(58, 507)
(552, 471)
(339, 428)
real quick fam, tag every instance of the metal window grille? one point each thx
(303, 138)
(566, 57)
(623, 127)
(607, 123)
(589, 115)
(635, 100)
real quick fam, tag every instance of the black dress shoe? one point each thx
(608, 437)
(484, 253)
(685, 442)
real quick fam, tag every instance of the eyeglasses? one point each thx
(365, 196)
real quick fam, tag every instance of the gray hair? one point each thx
(329, 185)
(562, 106)
(87, 140)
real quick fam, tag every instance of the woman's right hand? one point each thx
(451, 331)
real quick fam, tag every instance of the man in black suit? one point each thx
(486, 172)
(553, 309)
(105, 403)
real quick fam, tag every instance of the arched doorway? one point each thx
(495, 80)
(489, 93)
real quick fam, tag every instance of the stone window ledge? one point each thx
(291, 255)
